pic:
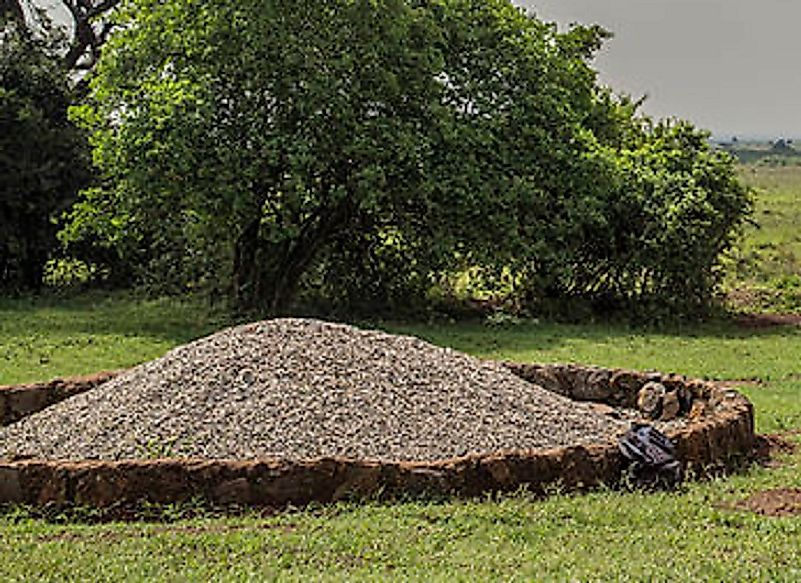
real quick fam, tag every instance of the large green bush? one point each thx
(361, 151)
(667, 206)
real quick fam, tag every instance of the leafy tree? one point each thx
(367, 149)
(249, 142)
(80, 42)
(43, 157)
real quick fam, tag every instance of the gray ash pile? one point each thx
(303, 389)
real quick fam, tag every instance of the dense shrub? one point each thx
(667, 207)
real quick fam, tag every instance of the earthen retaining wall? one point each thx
(721, 433)
(18, 401)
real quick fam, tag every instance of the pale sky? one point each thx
(731, 66)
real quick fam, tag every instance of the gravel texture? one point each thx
(303, 389)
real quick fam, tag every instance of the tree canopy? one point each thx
(43, 157)
(367, 150)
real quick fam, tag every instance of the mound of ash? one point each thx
(302, 389)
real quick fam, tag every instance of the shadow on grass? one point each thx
(549, 335)
(175, 320)
(717, 350)
(182, 319)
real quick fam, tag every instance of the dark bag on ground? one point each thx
(652, 458)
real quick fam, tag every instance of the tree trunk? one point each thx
(88, 35)
(88, 38)
(36, 246)
(302, 253)
(245, 265)
(268, 276)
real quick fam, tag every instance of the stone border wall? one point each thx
(723, 432)
(18, 401)
(720, 421)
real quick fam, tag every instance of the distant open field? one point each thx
(752, 152)
(765, 274)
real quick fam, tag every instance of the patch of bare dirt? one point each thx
(767, 447)
(776, 502)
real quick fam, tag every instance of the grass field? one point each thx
(766, 272)
(694, 534)
(46, 338)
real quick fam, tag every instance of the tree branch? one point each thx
(88, 35)
(14, 8)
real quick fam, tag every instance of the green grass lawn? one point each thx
(46, 338)
(690, 535)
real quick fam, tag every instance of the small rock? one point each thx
(592, 385)
(649, 399)
(671, 406)
(626, 380)
(625, 385)
(698, 409)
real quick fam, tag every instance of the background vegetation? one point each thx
(695, 534)
(44, 158)
(364, 155)
(765, 269)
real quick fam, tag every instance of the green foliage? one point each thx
(239, 140)
(676, 207)
(362, 151)
(43, 157)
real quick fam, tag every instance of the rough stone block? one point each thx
(671, 406)
(650, 399)
(10, 489)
